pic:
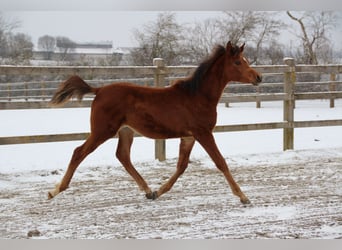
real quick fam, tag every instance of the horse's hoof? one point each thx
(245, 201)
(152, 195)
(54, 192)
(50, 196)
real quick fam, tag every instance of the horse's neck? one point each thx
(214, 83)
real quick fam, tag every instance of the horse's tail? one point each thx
(73, 87)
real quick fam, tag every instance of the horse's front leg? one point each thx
(123, 154)
(185, 148)
(208, 143)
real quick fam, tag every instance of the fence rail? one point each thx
(158, 74)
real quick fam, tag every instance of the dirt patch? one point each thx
(298, 200)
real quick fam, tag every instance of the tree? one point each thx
(238, 26)
(20, 48)
(6, 28)
(15, 48)
(257, 28)
(203, 36)
(47, 44)
(200, 40)
(267, 30)
(64, 46)
(158, 39)
(274, 53)
(314, 28)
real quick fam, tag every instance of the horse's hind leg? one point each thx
(123, 154)
(78, 156)
(185, 148)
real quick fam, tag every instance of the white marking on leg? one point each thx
(55, 191)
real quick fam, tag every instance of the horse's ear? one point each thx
(229, 46)
(242, 47)
(231, 49)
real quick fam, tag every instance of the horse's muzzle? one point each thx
(258, 80)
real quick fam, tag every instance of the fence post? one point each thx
(26, 91)
(258, 102)
(9, 89)
(159, 81)
(289, 103)
(332, 87)
(42, 85)
(227, 103)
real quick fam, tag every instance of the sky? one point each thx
(114, 26)
(108, 20)
(94, 26)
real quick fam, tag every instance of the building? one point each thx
(99, 53)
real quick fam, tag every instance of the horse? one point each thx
(186, 109)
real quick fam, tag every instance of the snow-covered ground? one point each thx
(56, 155)
(295, 194)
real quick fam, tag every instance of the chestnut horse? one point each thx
(186, 110)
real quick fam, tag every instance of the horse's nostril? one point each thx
(259, 78)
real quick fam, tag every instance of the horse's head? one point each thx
(237, 66)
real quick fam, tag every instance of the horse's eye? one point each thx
(237, 62)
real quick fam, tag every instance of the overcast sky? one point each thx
(162, 5)
(93, 26)
(114, 20)
(115, 26)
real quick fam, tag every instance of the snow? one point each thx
(27, 157)
(242, 149)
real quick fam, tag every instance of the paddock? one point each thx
(294, 194)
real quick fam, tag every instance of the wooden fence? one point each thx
(160, 74)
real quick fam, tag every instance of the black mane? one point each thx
(193, 83)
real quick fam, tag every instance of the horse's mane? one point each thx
(193, 82)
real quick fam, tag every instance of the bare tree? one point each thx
(314, 27)
(158, 39)
(200, 40)
(235, 26)
(6, 28)
(266, 31)
(274, 53)
(64, 46)
(19, 48)
(257, 28)
(47, 44)
(238, 26)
